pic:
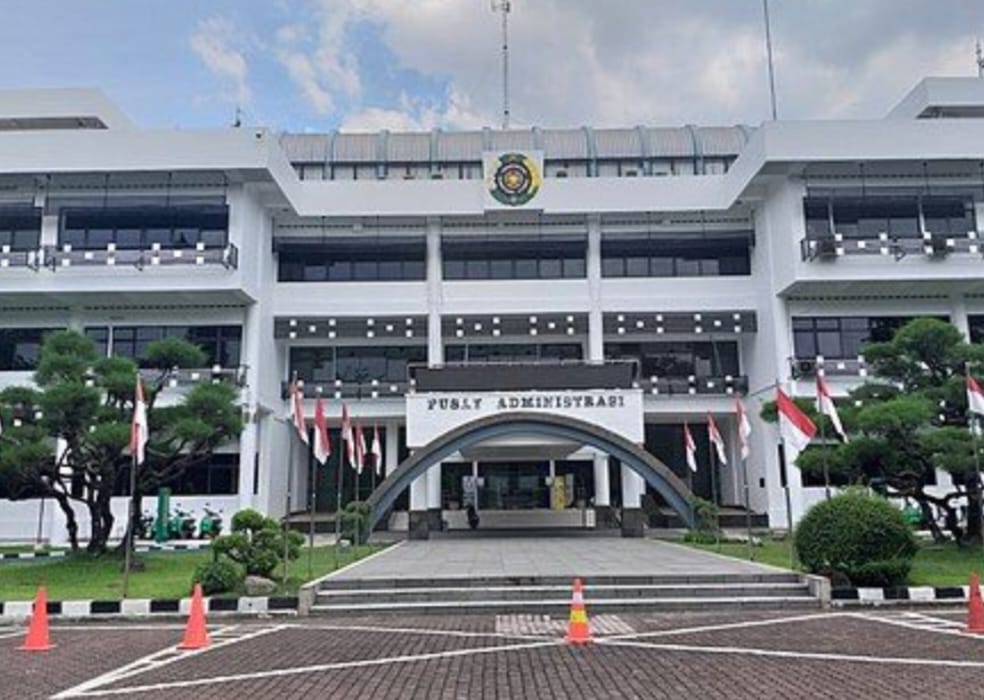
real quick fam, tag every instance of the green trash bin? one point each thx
(163, 515)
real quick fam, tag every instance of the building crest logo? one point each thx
(513, 179)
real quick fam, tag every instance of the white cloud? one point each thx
(211, 42)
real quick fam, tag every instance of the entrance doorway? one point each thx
(513, 485)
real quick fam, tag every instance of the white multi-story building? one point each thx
(450, 287)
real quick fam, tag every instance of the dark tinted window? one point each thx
(663, 255)
(20, 348)
(221, 344)
(514, 257)
(842, 337)
(703, 359)
(355, 365)
(20, 227)
(140, 228)
(381, 259)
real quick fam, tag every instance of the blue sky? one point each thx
(400, 64)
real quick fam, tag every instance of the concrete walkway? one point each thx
(544, 556)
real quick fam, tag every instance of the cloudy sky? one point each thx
(408, 64)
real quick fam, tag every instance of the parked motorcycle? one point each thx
(210, 526)
(181, 526)
(145, 527)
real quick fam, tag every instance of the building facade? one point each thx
(633, 279)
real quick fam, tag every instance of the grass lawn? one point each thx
(167, 575)
(21, 548)
(934, 565)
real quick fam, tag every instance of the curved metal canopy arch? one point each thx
(658, 475)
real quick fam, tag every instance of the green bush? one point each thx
(862, 537)
(257, 543)
(217, 576)
(355, 519)
(700, 537)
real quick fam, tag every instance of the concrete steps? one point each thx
(550, 595)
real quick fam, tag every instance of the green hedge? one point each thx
(863, 538)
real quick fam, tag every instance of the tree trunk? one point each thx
(101, 514)
(930, 517)
(71, 524)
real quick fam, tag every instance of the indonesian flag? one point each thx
(347, 436)
(139, 430)
(297, 411)
(690, 446)
(975, 396)
(826, 407)
(360, 449)
(795, 427)
(322, 443)
(377, 450)
(744, 429)
(714, 435)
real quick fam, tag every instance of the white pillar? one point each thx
(596, 342)
(425, 492)
(633, 488)
(958, 315)
(603, 491)
(418, 494)
(391, 456)
(434, 488)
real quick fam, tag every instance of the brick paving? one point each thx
(478, 663)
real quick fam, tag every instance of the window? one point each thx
(20, 228)
(221, 344)
(513, 352)
(842, 337)
(897, 216)
(355, 364)
(683, 359)
(383, 259)
(141, 227)
(21, 347)
(949, 216)
(976, 324)
(216, 476)
(662, 255)
(514, 257)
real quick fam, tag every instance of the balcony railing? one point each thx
(803, 367)
(337, 389)
(930, 245)
(216, 374)
(695, 385)
(54, 258)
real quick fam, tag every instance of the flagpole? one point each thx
(748, 506)
(128, 534)
(312, 496)
(784, 473)
(290, 481)
(974, 427)
(338, 498)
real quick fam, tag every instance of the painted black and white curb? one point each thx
(907, 595)
(76, 609)
(141, 548)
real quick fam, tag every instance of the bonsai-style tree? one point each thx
(906, 421)
(68, 437)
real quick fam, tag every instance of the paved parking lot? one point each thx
(712, 655)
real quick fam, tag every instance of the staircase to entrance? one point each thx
(533, 575)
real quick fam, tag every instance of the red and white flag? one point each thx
(348, 437)
(744, 429)
(714, 435)
(377, 450)
(360, 448)
(139, 429)
(826, 407)
(690, 447)
(975, 396)
(297, 411)
(795, 427)
(322, 443)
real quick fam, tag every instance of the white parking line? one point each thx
(158, 659)
(276, 673)
(728, 626)
(421, 631)
(817, 656)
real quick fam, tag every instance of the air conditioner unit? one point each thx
(804, 368)
(631, 173)
(561, 173)
(437, 176)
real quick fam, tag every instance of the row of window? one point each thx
(141, 228)
(472, 170)
(897, 216)
(507, 258)
(20, 227)
(843, 337)
(682, 359)
(221, 344)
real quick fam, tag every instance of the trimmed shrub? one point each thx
(257, 543)
(862, 537)
(355, 519)
(217, 576)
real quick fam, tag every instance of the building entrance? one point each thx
(513, 485)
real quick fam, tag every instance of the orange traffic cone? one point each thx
(196, 633)
(975, 607)
(578, 630)
(38, 638)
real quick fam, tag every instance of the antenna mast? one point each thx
(768, 51)
(504, 6)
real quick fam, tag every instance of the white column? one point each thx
(428, 487)
(418, 494)
(603, 491)
(633, 488)
(596, 343)
(434, 487)
(391, 456)
(958, 315)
